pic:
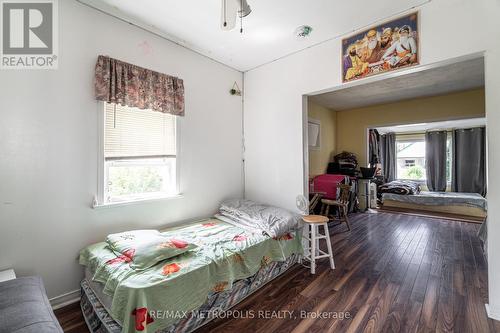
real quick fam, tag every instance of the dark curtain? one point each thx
(469, 160)
(388, 156)
(374, 147)
(435, 157)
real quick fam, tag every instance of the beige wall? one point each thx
(352, 124)
(318, 159)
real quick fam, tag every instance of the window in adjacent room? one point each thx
(410, 157)
(409, 163)
(448, 158)
(139, 154)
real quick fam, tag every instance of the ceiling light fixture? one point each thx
(245, 9)
(231, 9)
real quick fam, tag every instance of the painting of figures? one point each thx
(388, 46)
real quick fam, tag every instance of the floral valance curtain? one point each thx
(129, 85)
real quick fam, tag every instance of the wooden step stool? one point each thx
(314, 222)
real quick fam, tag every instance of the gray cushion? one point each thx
(24, 307)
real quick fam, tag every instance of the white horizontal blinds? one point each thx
(132, 133)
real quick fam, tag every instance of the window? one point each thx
(409, 163)
(448, 157)
(410, 157)
(139, 154)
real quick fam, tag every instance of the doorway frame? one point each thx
(366, 81)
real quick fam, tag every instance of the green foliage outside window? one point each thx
(130, 180)
(414, 172)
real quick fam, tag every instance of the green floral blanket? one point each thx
(151, 299)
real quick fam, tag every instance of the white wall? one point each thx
(273, 105)
(492, 89)
(48, 147)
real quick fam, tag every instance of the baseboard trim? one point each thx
(495, 315)
(65, 299)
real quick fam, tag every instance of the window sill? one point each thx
(421, 181)
(134, 202)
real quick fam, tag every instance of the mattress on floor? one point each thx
(95, 303)
(439, 199)
(225, 254)
(468, 206)
(475, 213)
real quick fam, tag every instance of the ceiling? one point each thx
(452, 77)
(412, 128)
(268, 30)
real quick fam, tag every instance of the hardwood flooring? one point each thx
(394, 273)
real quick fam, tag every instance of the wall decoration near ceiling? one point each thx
(314, 132)
(382, 48)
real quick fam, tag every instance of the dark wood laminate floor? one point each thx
(394, 273)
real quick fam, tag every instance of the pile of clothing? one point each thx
(344, 163)
(403, 187)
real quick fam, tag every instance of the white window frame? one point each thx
(449, 137)
(420, 181)
(99, 200)
(450, 160)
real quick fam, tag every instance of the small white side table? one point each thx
(7, 275)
